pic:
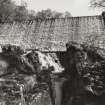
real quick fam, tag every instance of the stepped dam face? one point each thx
(53, 34)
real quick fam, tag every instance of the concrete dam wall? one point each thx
(53, 34)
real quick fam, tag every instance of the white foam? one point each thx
(0, 49)
(48, 61)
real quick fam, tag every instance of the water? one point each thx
(53, 34)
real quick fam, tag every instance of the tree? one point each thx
(97, 3)
(44, 14)
(21, 13)
(9, 11)
(6, 10)
(67, 14)
(31, 15)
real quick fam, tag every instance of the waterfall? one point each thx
(53, 34)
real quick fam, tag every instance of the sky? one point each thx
(75, 7)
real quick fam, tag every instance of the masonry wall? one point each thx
(53, 34)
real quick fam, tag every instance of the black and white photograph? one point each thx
(52, 52)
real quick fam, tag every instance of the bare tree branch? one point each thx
(97, 3)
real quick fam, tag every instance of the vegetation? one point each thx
(51, 14)
(98, 3)
(9, 11)
(18, 85)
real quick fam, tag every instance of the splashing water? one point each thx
(47, 61)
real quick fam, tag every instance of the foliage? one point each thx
(67, 14)
(90, 66)
(20, 13)
(9, 11)
(97, 3)
(6, 10)
(18, 87)
(90, 71)
(48, 13)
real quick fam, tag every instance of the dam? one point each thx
(52, 34)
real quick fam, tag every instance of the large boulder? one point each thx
(89, 65)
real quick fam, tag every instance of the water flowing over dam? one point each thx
(53, 34)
